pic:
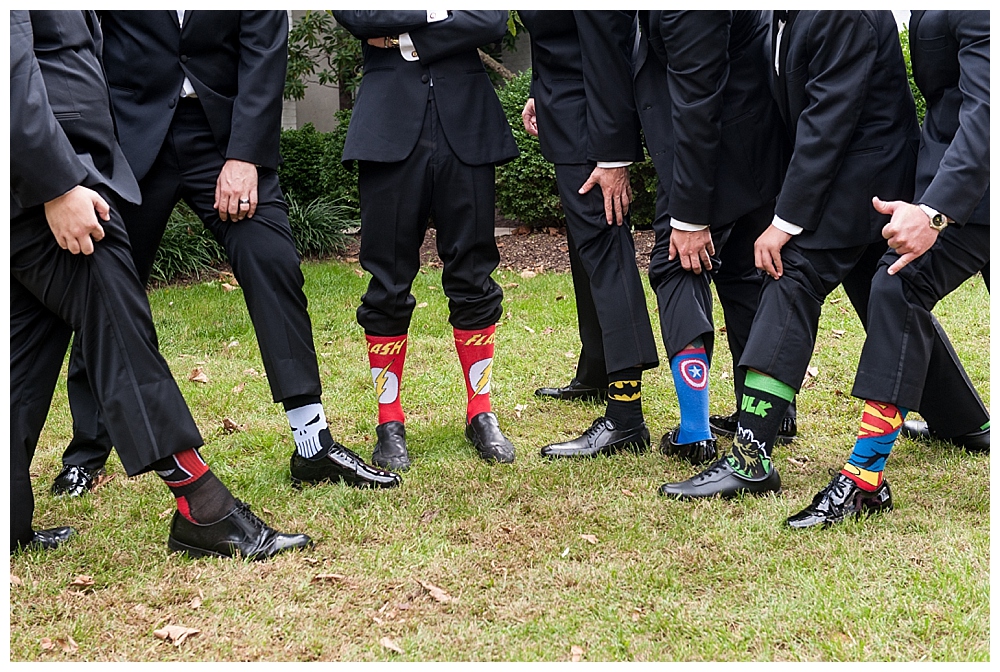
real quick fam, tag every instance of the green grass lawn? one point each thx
(665, 580)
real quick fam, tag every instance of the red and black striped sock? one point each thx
(201, 496)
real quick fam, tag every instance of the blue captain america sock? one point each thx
(690, 370)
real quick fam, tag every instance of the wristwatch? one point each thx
(391, 42)
(938, 220)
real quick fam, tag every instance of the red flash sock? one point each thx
(386, 355)
(475, 352)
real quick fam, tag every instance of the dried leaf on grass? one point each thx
(16, 581)
(837, 333)
(422, 304)
(198, 375)
(67, 644)
(529, 329)
(227, 287)
(575, 654)
(518, 409)
(389, 644)
(196, 601)
(229, 426)
(351, 260)
(547, 330)
(428, 516)
(589, 538)
(798, 461)
(102, 480)
(166, 512)
(627, 492)
(527, 275)
(437, 593)
(239, 388)
(175, 633)
(82, 581)
(330, 578)
(560, 297)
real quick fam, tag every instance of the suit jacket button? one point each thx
(423, 78)
(184, 59)
(173, 101)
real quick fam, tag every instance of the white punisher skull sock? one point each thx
(306, 423)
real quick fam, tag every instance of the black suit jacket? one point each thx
(235, 61)
(710, 123)
(389, 109)
(581, 80)
(950, 54)
(61, 129)
(843, 92)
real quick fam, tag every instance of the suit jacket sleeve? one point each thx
(380, 23)
(963, 175)
(844, 46)
(461, 32)
(606, 52)
(43, 163)
(697, 46)
(256, 123)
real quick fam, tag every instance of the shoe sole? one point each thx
(781, 439)
(719, 495)
(299, 483)
(191, 551)
(636, 448)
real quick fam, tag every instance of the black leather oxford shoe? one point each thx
(974, 442)
(484, 433)
(74, 481)
(840, 500)
(696, 452)
(575, 391)
(340, 464)
(602, 438)
(51, 538)
(725, 425)
(390, 449)
(719, 480)
(240, 533)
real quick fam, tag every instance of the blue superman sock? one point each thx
(690, 370)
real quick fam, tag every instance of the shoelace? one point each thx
(597, 427)
(837, 483)
(249, 515)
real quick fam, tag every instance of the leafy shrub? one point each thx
(320, 227)
(187, 247)
(311, 168)
(918, 98)
(526, 186)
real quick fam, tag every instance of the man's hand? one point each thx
(767, 251)
(236, 191)
(529, 119)
(909, 231)
(616, 189)
(73, 219)
(380, 42)
(694, 249)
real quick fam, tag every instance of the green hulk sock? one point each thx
(762, 409)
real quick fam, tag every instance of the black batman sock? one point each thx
(625, 398)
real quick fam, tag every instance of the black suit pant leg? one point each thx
(100, 299)
(591, 367)
(784, 329)
(907, 359)
(607, 260)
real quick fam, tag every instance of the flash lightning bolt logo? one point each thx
(480, 375)
(381, 379)
(386, 384)
(485, 377)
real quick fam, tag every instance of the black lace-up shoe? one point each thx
(974, 442)
(696, 452)
(240, 533)
(725, 425)
(840, 500)
(390, 449)
(74, 481)
(719, 480)
(484, 433)
(602, 438)
(340, 464)
(575, 391)
(47, 540)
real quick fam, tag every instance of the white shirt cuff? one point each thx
(435, 15)
(613, 164)
(686, 226)
(406, 47)
(787, 227)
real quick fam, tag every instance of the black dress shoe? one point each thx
(840, 500)
(484, 433)
(696, 452)
(240, 533)
(602, 438)
(719, 480)
(575, 391)
(390, 449)
(340, 464)
(725, 425)
(74, 481)
(974, 442)
(49, 539)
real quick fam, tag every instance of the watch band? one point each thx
(938, 220)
